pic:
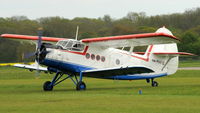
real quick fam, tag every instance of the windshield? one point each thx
(72, 45)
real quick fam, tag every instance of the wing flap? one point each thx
(104, 73)
(132, 40)
(27, 37)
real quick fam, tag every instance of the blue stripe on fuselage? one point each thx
(65, 66)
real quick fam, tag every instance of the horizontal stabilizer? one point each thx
(105, 73)
(173, 54)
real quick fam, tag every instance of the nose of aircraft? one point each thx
(42, 52)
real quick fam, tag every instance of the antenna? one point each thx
(77, 33)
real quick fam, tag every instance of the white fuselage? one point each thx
(101, 58)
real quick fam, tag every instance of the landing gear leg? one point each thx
(154, 83)
(80, 85)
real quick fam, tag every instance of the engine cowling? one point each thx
(41, 54)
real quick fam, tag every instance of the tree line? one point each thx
(185, 26)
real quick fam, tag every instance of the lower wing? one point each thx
(31, 67)
(106, 73)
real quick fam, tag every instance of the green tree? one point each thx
(190, 43)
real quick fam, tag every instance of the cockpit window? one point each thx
(77, 46)
(71, 45)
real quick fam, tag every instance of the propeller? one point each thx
(40, 52)
(37, 52)
(39, 44)
(38, 47)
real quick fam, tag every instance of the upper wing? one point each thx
(132, 40)
(27, 37)
(106, 73)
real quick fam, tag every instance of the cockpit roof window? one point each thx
(69, 44)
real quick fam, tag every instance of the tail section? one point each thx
(164, 61)
(164, 58)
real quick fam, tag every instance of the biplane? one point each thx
(105, 57)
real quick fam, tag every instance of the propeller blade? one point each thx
(38, 50)
(39, 43)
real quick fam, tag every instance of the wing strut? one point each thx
(167, 62)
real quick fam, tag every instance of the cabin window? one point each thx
(137, 49)
(97, 57)
(103, 58)
(87, 55)
(140, 50)
(92, 56)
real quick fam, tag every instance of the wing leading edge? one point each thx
(132, 40)
(27, 37)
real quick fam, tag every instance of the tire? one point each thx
(155, 84)
(80, 86)
(47, 86)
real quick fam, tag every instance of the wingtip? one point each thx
(2, 35)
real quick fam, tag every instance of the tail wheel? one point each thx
(81, 86)
(154, 84)
(47, 86)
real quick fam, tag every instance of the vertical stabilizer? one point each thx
(166, 63)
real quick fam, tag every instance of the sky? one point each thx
(70, 9)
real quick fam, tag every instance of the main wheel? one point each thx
(47, 86)
(154, 84)
(81, 86)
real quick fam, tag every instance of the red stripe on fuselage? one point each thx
(79, 53)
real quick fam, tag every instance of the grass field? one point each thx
(20, 92)
(189, 63)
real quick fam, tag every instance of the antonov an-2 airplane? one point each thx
(100, 58)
